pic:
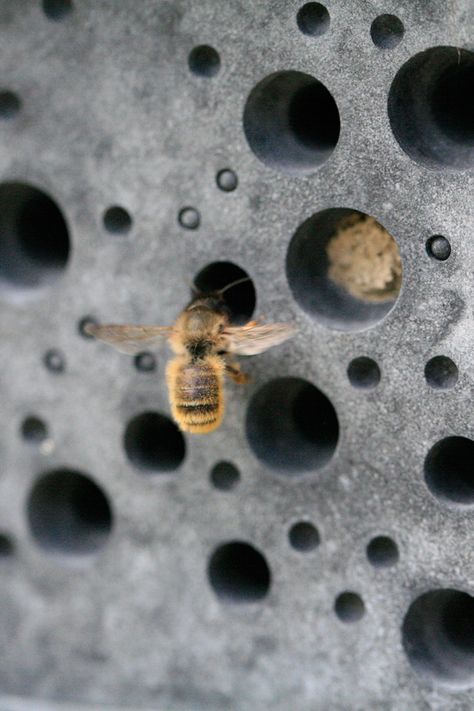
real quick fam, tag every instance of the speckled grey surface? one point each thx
(111, 115)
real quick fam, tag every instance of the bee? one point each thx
(204, 342)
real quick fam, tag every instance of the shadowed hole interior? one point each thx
(117, 220)
(449, 470)
(349, 607)
(303, 536)
(387, 31)
(291, 122)
(240, 300)
(238, 572)
(292, 426)
(431, 109)
(204, 61)
(57, 9)
(10, 104)
(154, 443)
(382, 552)
(225, 476)
(363, 373)
(313, 19)
(34, 430)
(344, 269)
(441, 373)
(438, 637)
(6, 546)
(34, 238)
(68, 513)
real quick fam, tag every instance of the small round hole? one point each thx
(344, 269)
(292, 426)
(449, 471)
(57, 9)
(6, 546)
(54, 361)
(431, 109)
(313, 19)
(34, 238)
(238, 572)
(438, 637)
(189, 218)
(34, 430)
(226, 180)
(291, 122)
(349, 607)
(10, 105)
(363, 373)
(303, 536)
(225, 476)
(145, 362)
(240, 299)
(387, 31)
(382, 552)
(82, 325)
(204, 61)
(441, 373)
(438, 248)
(154, 443)
(69, 513)
(117, 220)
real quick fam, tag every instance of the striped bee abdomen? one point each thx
(196, 393)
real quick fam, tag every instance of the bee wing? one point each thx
(130, 339)
(252, 338)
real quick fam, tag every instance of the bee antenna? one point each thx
(232, 284)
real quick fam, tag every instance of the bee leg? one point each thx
(235, 374)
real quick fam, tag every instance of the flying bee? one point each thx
(204, 342)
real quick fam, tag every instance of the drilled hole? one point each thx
(387, 31)
(54, 361)
(344, 269)
(82, 325)
(349, 607)
(313, 19)
(204, 61)
(238, 572)
(431, 109)
(441, 373)
(189, 218)
(145, 362)
(10, 105)
(57, 9)
(34, 238)
(363, 373)
(68, 513)
(34, 430)
(291, 122)
(239, 300)
(382, 552)
(438, 248)
(303, 536)
(226, 180)
(6, 546)
(292, 426)
(449, 471)
(225, 476)
(117, 220)
(154, 443)
(438, 637)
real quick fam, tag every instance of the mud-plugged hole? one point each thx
(344, 269)
(438, 637)
(431, 109)
(291, 122)
(238, 572)
(449, 471)
(292, 426)
(154, 443)
(69, 513)
(239, 299)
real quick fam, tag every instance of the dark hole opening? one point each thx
(238, 572)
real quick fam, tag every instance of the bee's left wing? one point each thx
(130, 339)
(252, 338)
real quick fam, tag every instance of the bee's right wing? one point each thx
(130, 339)
(252, 338)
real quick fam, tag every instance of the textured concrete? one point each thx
(111, 115)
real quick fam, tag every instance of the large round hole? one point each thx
(34, 238)
(344, 269)
(431, 109)
(239, 299)
(238, 572)
(449, 470)
(291, 122)
(441, 373)
(154, 443)
(438, 637)
(68, 513)
(292, 426)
